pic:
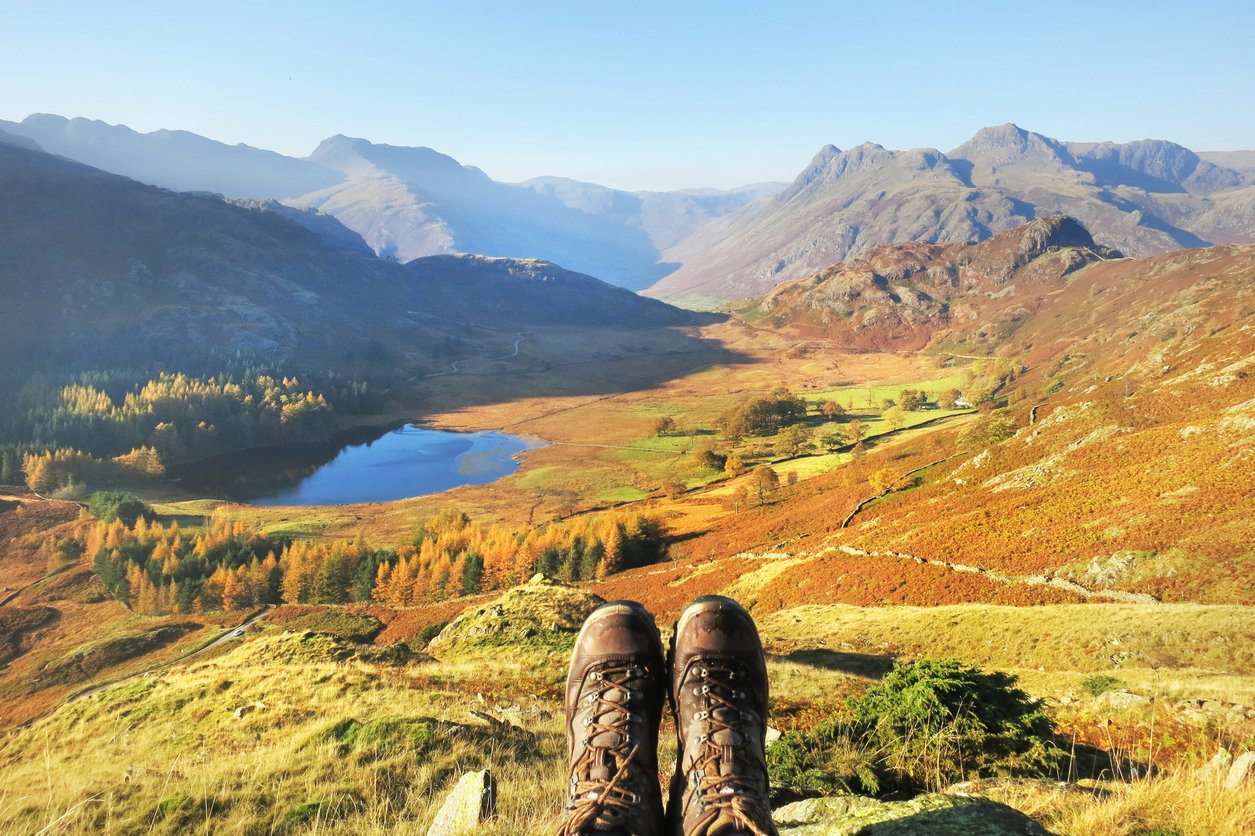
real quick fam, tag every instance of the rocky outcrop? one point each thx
(933, 814)
(542, 612)
(905, 295)
(1145, 198)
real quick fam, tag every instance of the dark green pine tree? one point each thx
(473, 574)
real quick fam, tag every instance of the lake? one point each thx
(410, 461)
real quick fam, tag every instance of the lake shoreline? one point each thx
(361, 465)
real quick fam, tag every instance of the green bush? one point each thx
(937, 721)
(117, 505)
(352, 627)
(429, 632)
(1100, 684)
(927, 725)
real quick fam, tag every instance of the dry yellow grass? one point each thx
(1177, 803)
(1191, 642)
(248, 742)
(260, 739)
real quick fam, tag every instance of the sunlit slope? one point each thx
(1130, 405)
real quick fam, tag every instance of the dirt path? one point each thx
(1114, 595)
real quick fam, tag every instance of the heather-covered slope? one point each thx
(1118, 455)
(907, 295)
(1143, 198)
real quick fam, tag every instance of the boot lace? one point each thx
(720, 775)
(595, 791)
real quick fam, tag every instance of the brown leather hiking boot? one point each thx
(719, 692)
(614, 699)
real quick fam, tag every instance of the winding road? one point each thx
(226, 636)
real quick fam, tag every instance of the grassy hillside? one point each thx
(291, 731)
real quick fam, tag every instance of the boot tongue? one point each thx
(726, 736)
(609, 739)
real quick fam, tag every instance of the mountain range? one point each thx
(410, 202)
(699, 247)
(97, 270)
(1143, 198)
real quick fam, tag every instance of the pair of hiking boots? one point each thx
(716, 681)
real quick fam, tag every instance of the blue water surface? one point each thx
(408, 462)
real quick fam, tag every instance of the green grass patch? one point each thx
(625, 493)
(341, 625)
(879, 392)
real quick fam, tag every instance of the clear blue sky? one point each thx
(642, 94)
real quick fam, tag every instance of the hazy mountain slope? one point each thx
(666, 217)
(94, 264)
(19, 141)
(412, 202)
(326, 227)
(175, 159)
(1143, 198)
(529, 291)
(98, 269)
(1242, 162)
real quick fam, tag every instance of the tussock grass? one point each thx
(277, 736)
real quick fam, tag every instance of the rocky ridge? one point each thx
(906, 295)
(1144, 198)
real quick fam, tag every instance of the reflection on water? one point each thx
(407, 462)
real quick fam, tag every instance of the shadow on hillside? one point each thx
(592, 361)
(869, 665)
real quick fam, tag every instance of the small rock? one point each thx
(472, 801)
(1240, 771)
(1217, 767)
(1122, 700)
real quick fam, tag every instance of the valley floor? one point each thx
(1055, 552)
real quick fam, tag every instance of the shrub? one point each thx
(987, 431)
(927, 725)
(937, 721)
(117, 505)
(1100, 684)
(430, 631)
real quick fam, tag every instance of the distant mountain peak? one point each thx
(1009, 143)
(823, 155)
